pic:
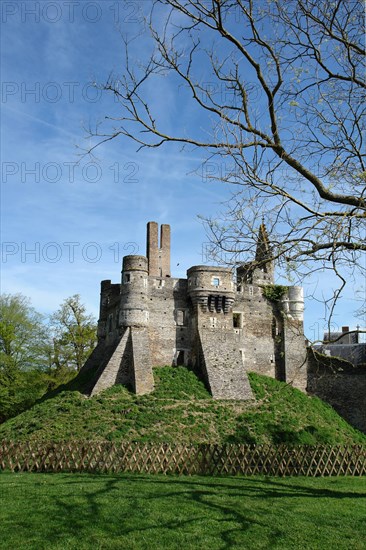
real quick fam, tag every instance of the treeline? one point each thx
(37, 352)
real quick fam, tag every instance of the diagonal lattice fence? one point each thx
(183, 459)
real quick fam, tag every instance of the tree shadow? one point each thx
(148, 505)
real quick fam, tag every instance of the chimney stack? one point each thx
(158, 256)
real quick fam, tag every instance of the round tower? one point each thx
(134, 288)
(293, 302)
(211, 288)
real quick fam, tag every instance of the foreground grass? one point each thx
(180, 410)
(61, 511)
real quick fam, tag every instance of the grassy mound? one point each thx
(180, 410)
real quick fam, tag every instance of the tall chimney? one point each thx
(165, 250)
(158, 256)
(152, 249)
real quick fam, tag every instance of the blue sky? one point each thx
(67, 220)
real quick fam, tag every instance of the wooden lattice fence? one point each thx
(183, 459)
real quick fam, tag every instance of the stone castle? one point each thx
(218, 325)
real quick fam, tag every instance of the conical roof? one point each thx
(263, 253)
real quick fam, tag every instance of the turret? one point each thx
(211, 288)
(134, 309)
(293, 303)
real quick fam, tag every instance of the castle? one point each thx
(218, 326)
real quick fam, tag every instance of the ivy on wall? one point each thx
(274, 293)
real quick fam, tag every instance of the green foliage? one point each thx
(23, 355)
(74, 334)
(180, 410)
(274, 293)
(79, 511)
(22, 335)
(35, 357)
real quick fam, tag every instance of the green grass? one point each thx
(66, 511)
(180, 410)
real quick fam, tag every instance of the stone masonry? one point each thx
(219, 326)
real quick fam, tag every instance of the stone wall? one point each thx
(341, 385)
(256, 337)
(223, 365)
(168, 319)
(295, 354)
(354, 353)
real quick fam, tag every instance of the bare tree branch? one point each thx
(279, 89)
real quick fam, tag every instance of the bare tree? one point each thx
(279, 92)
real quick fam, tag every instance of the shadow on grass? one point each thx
(169, 511)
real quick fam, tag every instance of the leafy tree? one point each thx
(23, 355)
(22, 335)
(36, 357)
(75, 335)
(277, 96)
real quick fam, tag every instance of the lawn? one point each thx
(81, 511)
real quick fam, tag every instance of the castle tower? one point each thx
(261, 270)
(158, 256)
(134, 319)
(216, 352)
(211, 288)
(133, 308)
(263, 252)
(108, 311)
(293, 340)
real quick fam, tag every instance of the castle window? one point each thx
(213, 322)
(127, 278)
(110, 323)
(215, 281)
(181, 317)
(237, 320)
